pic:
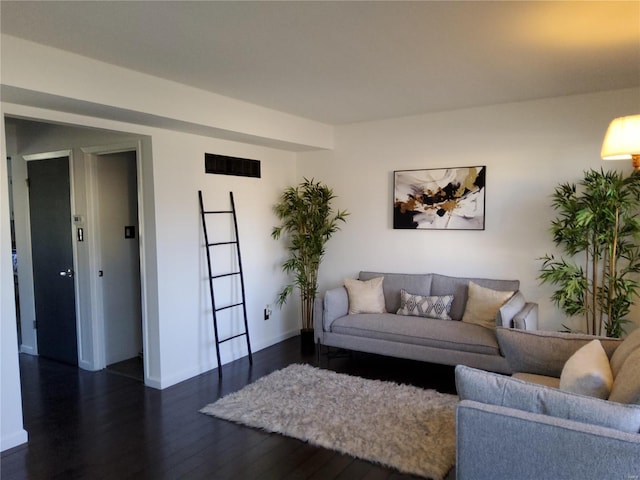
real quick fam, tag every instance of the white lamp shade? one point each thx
(622, 140)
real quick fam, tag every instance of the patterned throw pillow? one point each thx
(419, 306)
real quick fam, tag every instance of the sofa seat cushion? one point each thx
(452, 335)
(552, 382)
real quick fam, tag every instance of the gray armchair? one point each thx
(509, 428)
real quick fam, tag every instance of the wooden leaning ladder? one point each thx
(212, 277)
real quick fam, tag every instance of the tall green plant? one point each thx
(597, 225)
(308, 221)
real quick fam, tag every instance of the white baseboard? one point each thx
(167, 381)
(28, 349)
(13, 439)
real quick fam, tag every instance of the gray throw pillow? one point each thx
(494, 389)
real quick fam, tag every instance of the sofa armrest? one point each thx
(317, 319)
(334, 305)
(527, 318)
(517, 313)
(538, 446)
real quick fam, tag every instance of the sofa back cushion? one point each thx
(417, 284)
(544, 352)
(494, 389)
(459, 288)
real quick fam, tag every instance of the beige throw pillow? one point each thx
(483, 305)
(587, 372)
(365, 296)
(626, 348)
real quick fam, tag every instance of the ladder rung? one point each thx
(221, 243)
(231, 338)
(217, 211)
(225, 275)
(229, 306)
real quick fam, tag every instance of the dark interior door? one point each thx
(54, 291)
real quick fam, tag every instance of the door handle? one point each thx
(68, 273)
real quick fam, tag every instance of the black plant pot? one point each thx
(307, 343)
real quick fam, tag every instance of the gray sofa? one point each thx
(548, 433)
(449, 342)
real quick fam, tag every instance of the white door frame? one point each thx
(91, 155)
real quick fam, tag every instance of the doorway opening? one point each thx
(115, 211)
(104, 226)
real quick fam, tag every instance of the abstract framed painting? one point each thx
(439, 199)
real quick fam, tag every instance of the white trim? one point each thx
(28, 349)
(169, 381)
(14, 439)
(82, 361)
(27, 264)
(93, 245)
(47, 155)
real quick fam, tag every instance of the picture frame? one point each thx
(439, 198)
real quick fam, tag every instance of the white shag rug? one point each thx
(400, 426)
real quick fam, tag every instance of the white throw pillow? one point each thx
(588, 372)
(365, 296)
(483, 305)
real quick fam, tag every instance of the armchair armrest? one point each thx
(539, 446)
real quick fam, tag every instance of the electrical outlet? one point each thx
(267, 313)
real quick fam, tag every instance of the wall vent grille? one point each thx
(225, 165)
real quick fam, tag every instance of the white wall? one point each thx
(184, 304)
(528, 148)
(11, 431)
(42, 83)
(39, 75)
(179, 319)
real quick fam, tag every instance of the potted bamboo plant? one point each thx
(307, 222)
(598, 229)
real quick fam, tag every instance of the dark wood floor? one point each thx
(101, 425)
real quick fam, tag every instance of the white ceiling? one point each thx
(343, 62)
